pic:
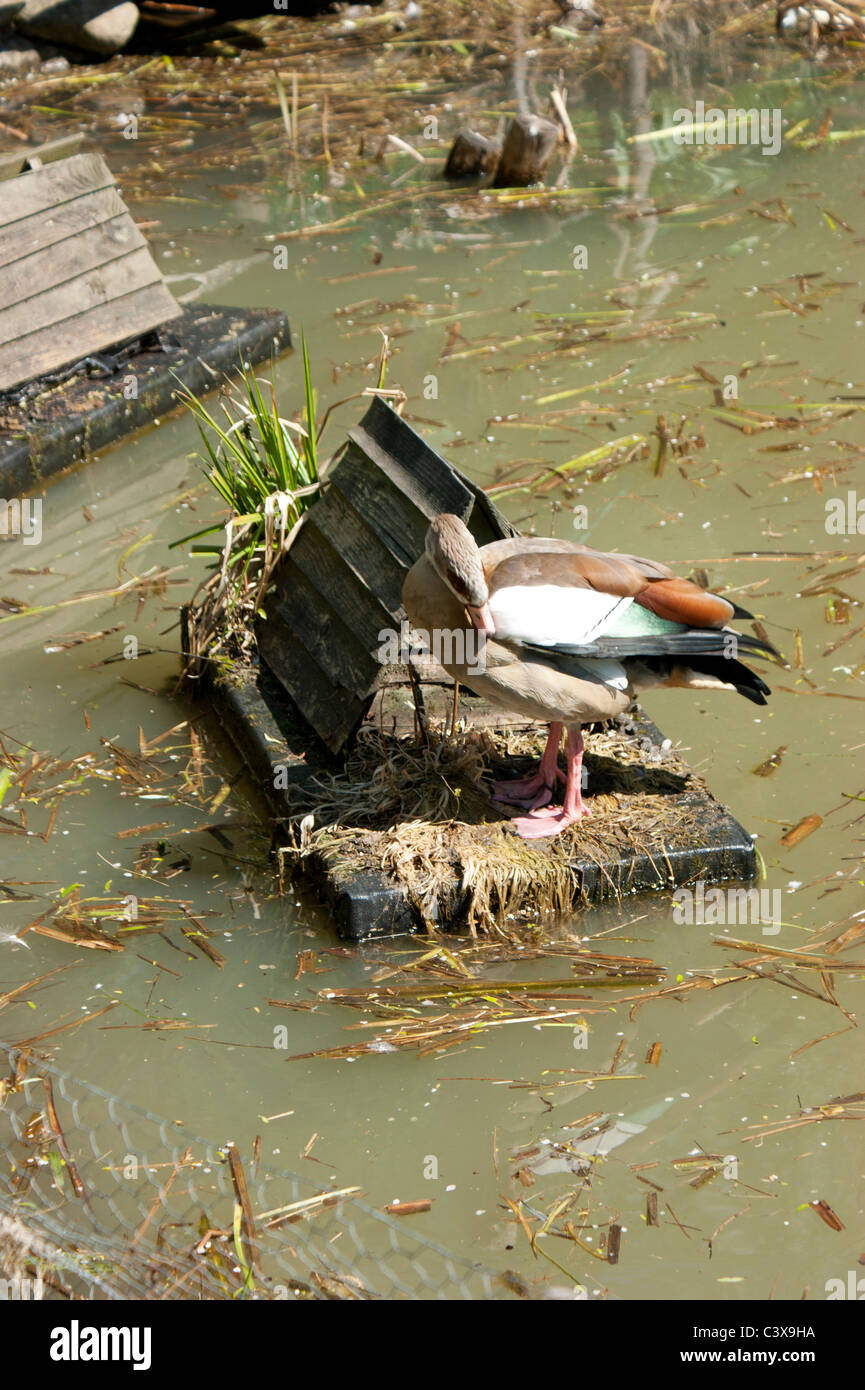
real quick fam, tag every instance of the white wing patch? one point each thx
(551, 616)
(610, 672)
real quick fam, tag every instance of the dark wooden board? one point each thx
(364, 551)
(354, 550)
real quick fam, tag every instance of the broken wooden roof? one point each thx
(76, 274)
(340, 584)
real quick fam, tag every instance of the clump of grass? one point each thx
(266, 469)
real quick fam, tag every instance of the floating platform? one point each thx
(400, 829)
(64, 423)
(656, 825)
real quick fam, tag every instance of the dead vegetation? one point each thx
(419, 810)
(291, 94)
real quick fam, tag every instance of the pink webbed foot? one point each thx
(537, 790)
(546, 812)
(530, 792)
(546, 824)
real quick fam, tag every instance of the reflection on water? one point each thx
(716, 329)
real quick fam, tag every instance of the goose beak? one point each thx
(482, 618)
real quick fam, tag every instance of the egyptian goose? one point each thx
(570, 635)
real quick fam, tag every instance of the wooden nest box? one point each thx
(340, 584)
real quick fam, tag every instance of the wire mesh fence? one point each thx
(102, 1200)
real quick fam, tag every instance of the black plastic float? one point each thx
(66, 423)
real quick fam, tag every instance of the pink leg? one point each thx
(552, 821)
(536, 790)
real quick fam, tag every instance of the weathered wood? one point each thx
(472, 156)
(40, 190)
(422, 474)
(340, 585)
(76, 275)
(19, 161)
(400, 525)
(333, 720)
(57, 305)
(69, 422)
(62, 265)
(528, 147)
(360, 547)
(141, 310)
(340, 627)
(92, 210)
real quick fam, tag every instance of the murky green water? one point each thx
(709, 280)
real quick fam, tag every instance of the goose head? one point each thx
(453, 553)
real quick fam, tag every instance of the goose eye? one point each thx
(456, 583)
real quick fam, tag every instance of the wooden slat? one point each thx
(399, 524)
(53, 186)
(332, 643)
(424, 478)
(137, 312)
(341, 582)
(333, 720)
(56, 224)
(359, 547)
(76, 275)
(325, 568)
(57, 267)
(18, 161)
(62, 306)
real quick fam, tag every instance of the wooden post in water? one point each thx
(529, 144)
(472, 156)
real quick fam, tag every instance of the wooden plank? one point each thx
(359, 547)
(19, 161)
(56, 224)
(334, 721)
(354, 549)
(29, 278)
(319, 624)
(398, 523)
(101, 327)
(61, 308)
(75, 272)
(412, 466)
(325, 568)
(54, 186)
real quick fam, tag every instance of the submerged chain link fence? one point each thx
(102, 1200)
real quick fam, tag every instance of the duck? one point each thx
(558, 633)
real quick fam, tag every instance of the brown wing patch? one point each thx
(681, 601)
